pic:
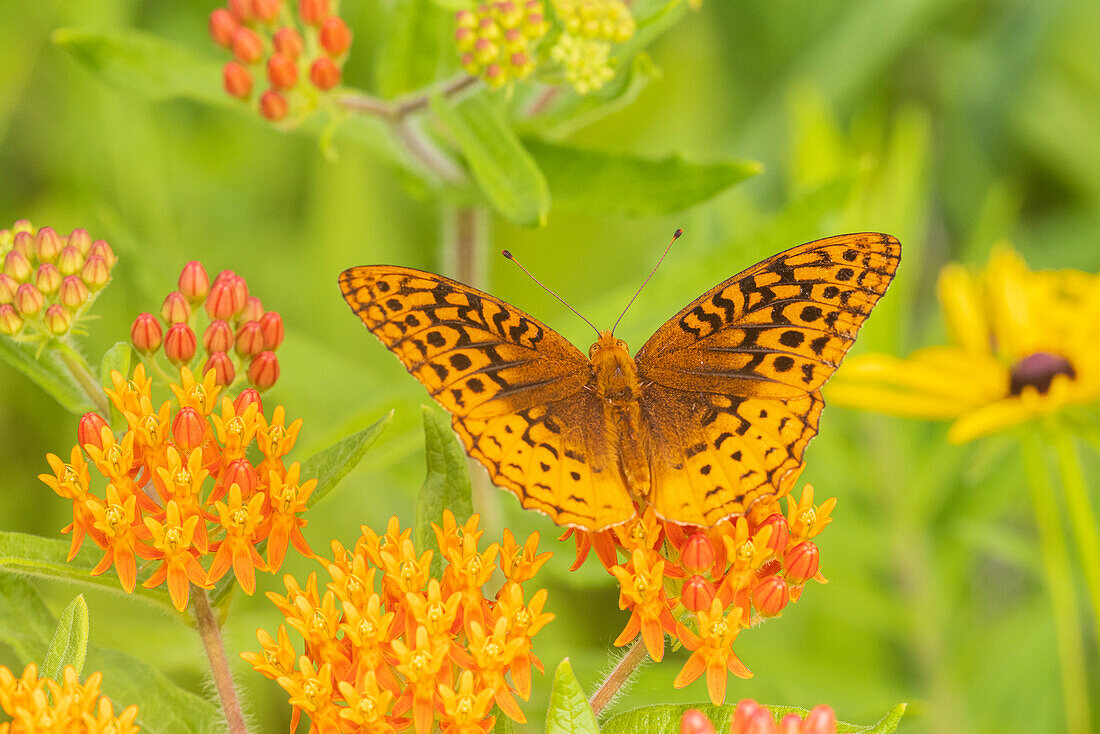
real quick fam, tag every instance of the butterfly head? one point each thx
(616, 375)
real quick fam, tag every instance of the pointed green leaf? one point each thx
(598, 182)
(498, 162)
(665, 719)
(48, 372)
(503, 725)
(69, 645)
(569, 712)
(117, 358)
(447, 484)
(331, 465)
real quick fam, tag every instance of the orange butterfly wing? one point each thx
(730, 385)
(519, 394)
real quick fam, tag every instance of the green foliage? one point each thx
(69, 645)
(446, 485)
(569, 712)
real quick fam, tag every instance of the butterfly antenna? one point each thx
(555, 295)
(675, 236)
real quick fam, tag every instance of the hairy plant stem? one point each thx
(1052, 546)
(211, 634)
(618, 677)
(82, 373)
(398, 109)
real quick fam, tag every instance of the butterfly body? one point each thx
(712, 414)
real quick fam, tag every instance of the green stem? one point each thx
(211, 634)
(82, 373)
(1081, 516)
(1056, 567)
(619, 676)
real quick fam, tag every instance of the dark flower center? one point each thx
(1038, 371)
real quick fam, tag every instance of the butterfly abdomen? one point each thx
(616, 383)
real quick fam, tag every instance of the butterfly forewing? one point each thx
(517, 390)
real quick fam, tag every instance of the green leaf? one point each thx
(48, 372)
(503, 725)
(598, 182)
(569, 712)
(413, 48)
(69, 645)
(331, 465)
(163, 707)
(31, 555)
(498, 162)
(665, 719)
(146, 64)
(119, 357)
(446, 485)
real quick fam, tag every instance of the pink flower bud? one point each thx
(335, 36)
(324, 73)
(695, 721)
(28, 301)
(218, 336)
(241, 9)
(89, 432)
(194, 283)
(8, 286)
(23, 242)
(188, 429)
(222, 25)
(47, 278)
(146, 333)
(222, 365)
(102, 249)
(180, 344)
(250, 339)
(74, 293)
(16, 265)
(70, 261)
(57, 319)
(81, 240)
(175, 309)
(272, 326)
(820, 720)
(96, 273)
(47, 244)
(253, 309)
(237, 80)
(219, 303)
(22, 225)
(263, 372)
(10, 320)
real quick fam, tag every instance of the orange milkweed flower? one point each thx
(40, 704)
(713, 651)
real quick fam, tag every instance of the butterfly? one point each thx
(711, 415)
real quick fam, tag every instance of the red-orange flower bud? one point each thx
(70, 260)
(250, 339)
(247, 45)
(273, 105)
(81, 240)
(697, 593)
(313, 12)
(224, 276)
(18, 266)
(263, 372)
(272, 326)
(47, 278)
(241, 9)
(241, 473)
(695, 721)
(218, 336)
(238, 287)
(770, 596)
(23, 242)
(47, 244)
(28, 300)
(324, 73)
(74, 293)
(194, 283)
(253, 309)
(820, 720)
(146, 333)
(288, 41)
(335, 36)
(697, 554)
(790, 724)
(237, 80)
(188, 428)
(219, 303)
(247, 397)
(101, 249)
(747, 713)
(282, 72)
(176, 309)
(266, 11)
(222, 26)
(224, 372)
(57, 319)
(8, 287)
(89, 430)
(802, 562)
(10, 320)
(781, 533)
(95, 273)
(180, 344)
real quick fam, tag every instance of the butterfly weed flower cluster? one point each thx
(702, 586)
(239, 337)
(49, 281)
(39, 704)
(392, 647)
(1024, 344)
(180, 489)
(298, 47)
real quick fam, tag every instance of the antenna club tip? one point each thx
(677, 233)
(506, 254)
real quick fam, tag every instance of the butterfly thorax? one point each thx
(616, 382)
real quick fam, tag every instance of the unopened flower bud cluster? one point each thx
(298, 48)
(497, 41)
(47, 281)
(583, 50)
(238, 337)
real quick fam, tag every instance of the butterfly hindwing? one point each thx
(518, 391)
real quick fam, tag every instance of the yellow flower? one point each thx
(1024, 344)
(40, 704)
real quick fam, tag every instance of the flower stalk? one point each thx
(80, 371)
(619, 677)
(210, 632)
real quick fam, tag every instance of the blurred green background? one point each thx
(951, 125)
